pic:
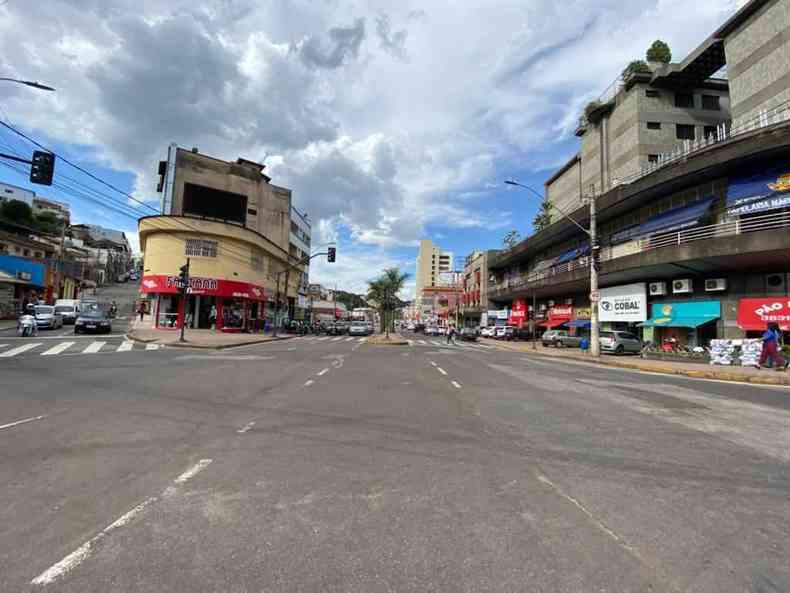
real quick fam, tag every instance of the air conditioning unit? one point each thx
(682, 286)
(775, 284)
(568, 301)
(657, 288)
(714, 284)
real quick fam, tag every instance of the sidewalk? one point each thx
(195, 338)
(7, 323)
(687, 369)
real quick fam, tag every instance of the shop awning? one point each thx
(690, 322)
(573, 254)
(579, 323)
(677, 218)
(550, 323)
(9, 279)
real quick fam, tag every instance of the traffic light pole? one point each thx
(184, 289)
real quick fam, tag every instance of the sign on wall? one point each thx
(759, 191)
(756, 314)
(627, 303)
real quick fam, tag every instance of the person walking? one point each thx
(771, 348)
(141, 310)
(451, 334)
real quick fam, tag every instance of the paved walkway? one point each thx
(143, 331)
(688, 369)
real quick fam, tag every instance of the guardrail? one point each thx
(754, 224)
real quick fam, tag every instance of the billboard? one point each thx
(626, 303)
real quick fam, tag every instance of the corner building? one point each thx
(234, 225)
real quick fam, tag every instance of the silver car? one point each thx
(618, 342)
(46, 317)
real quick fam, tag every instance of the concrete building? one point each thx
(234, 225)
(474, 297)
(59, 209)
(431, 262)
(698, 244)
(299, 249)
(13, 192)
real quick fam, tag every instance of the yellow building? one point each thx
(234, 226)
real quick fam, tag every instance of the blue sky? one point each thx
(390, 121)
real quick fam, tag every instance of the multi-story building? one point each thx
(13, 192)
(474, 298)
(299, 250)
(697, 244)
(234, 225)
(59, 209)
(432, 261)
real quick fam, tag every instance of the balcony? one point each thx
(727, 243)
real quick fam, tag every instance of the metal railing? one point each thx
(754, 224)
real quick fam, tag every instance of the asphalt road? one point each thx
(334, 465)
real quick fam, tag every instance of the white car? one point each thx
(487, 332)
(505, 332)
(46, 317)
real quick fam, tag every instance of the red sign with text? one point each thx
(756, 314)
(518, 313)
(159, 283)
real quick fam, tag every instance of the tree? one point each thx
(636, 66)
(543, 217)
(511, 239)
(47, 223)
(659, 52)
(17, 211)
(383, 291)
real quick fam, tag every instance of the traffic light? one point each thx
(183, 277)
(330, 255)
(42, 167)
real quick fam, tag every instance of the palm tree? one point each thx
(383, 291)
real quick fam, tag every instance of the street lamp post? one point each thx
(595, 346)
(31, 83)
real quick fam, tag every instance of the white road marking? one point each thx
(336, 339)
(423, 342)
(324, 338)
(19, 350)
(308, 382)
(441, 370)
(246, 427)
(57, 349)
(410, 342)
(3, 345)
(456, 384)
(349, 339)
(432, 363)
(322, 372)
(193, 471)
(25, 421)
(152, 346)
(362, 339)
(291, 349)
(224, 357)
(125, 346)
(93, 347)
(82, 553)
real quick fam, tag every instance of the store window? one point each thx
(233, 313)
(201, 248)
(168, 311)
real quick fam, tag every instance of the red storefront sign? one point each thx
(518, 313)
(756, 314)
(162, 284)
(558, 316)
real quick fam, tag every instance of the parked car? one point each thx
(468, 334)
(338, 328)
(560, 338)
(69, 309)
(505, 332)
(419, 328)
(487, 332)
(95, 321)
(360, 328)
(410, 327)
(618, 342)
(46, 317)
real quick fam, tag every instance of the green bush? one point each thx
(659, 52)
(636, 66)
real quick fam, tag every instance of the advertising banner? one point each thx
(756, 314)
(519, 313)
(759, 191)
(162, 284)
(626, 303)
(501, 314)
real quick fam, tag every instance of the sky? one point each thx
(390, 120)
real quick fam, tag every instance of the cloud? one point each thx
(343, 45)
(392, 43)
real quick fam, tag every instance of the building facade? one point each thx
(474, 297)
(432, 261)
(234, 225)
(60, 209)
(691, 248)
(299, 250)
(13, 192)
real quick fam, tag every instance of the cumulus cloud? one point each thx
(342, 45)
(392, 43)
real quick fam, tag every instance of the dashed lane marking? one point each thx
(25, 421)
(441, 370)
(308, 382)
(322, 372)
(152, 346)
(456, 384)
(246, 427)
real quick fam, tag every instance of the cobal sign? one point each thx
(626, 303)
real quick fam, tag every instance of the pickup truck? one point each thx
(560, 338)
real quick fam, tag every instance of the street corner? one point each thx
(383, 341)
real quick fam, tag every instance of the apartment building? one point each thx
(299, 250)
(474, 297)
(432, 262)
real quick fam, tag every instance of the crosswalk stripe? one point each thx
(423, 342)
(336, 339)
(349, 339)
(57, 349)
(324, 338)
(125, 346)
(152, 346)
(19, 350)
(93, 347)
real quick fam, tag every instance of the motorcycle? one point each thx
(26, 326)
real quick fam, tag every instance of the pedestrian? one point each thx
(451, 334)
(141, 310)
(770, 348)
(584, 345)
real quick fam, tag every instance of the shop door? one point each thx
(204, 313)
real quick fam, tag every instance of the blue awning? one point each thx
(677, 218)
(584, 249)
(579, 323)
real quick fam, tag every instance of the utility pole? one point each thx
(59, 275)
(595, 331)
(184, 278)
(534, 321)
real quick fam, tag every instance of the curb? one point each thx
(692, 373)
(196, 346)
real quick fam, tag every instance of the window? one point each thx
(684, 132)
(201, 248)
(38, 254)
(710, 132)
(8, 191)
(16, 249)
(654, 125)
(652, 158)
(711, 102)
(26, 252)
(652, 93)
(684, 100)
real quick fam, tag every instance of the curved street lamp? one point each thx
(32, 83)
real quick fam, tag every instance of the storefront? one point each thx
(621, 308)
(687, 324)
(580, 324)
(755, 314)
(557, 316)
(224, 305)
(518, 314)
